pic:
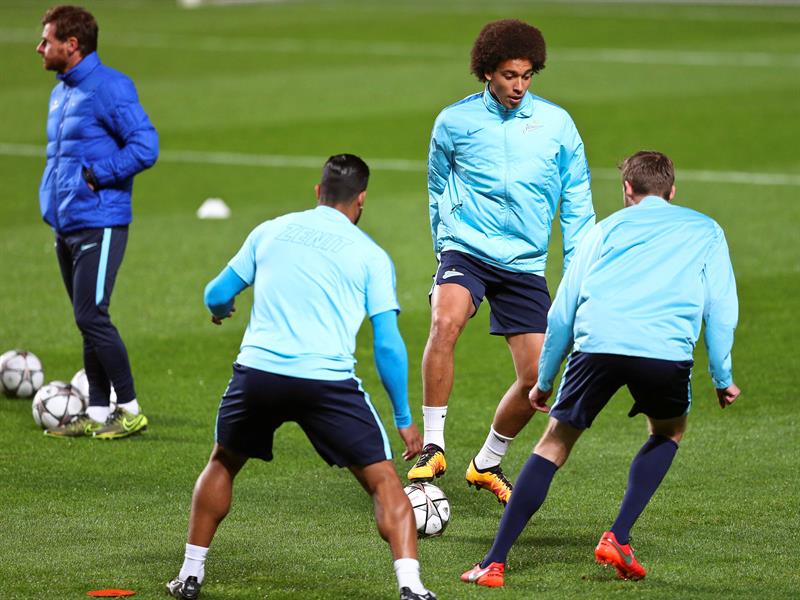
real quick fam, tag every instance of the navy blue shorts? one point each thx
(661, 389)
(337, 417)
(518, 301)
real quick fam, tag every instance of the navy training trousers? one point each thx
(89, 261)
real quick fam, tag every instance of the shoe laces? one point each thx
(428, 452)
(114, 416)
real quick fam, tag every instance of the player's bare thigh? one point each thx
(669, 428)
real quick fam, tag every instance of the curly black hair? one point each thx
(507, 39)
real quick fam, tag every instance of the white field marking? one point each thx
(237, 159)
(691, 58)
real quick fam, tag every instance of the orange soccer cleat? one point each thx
(491, 479)
(610, 552)
(490, 576)
(431, 464)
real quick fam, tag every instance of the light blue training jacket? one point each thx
(496, 177)
(640, 284)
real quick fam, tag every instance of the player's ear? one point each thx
(316, 191)
(360, 198)
(73, 45)
(671, 194)
(627, 188)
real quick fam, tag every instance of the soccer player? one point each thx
(98, 138)
(314, 276)
(501, 163)
(630, 307)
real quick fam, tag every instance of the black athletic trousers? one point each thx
(89, 261)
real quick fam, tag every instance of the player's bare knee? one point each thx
(445, 329)
(527, 380)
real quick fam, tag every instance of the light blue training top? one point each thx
(315, 275)
(497, 176)
(641, 283)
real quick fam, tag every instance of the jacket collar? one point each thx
(652, 201)
(80, 71)
(524, 110)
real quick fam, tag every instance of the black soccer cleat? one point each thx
(407, 594)
(184, 590)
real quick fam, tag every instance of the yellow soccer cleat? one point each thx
(121, 424)
(431, 464)
(491, 479)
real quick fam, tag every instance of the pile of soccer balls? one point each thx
(54, 404)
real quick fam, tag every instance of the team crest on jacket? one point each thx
(532, 126)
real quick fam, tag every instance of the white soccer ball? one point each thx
(57, 404)
(80, 383)
(3, 357)
(21, 373)
(431, 508)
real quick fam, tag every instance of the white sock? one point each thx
(98, 413)
(494, 448)
(132, 407)
(433, 419)
(194, 563)
(407, 571)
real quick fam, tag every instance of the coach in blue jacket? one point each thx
(502, 162)
(98, 138)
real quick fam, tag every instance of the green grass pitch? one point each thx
(714, 86)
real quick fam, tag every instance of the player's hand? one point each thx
(728, 395)
(538, 399)
(412, 439)
(218, 320)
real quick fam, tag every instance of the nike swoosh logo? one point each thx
(87, 246)
(128, 425)
(449, 274)
(628, 558)
(474, 131)
(473, 577)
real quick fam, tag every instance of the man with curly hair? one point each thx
(501, 163)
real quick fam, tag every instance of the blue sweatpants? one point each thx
(89, 261)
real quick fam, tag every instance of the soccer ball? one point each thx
(57, 404)
(3, 357)
(21, 373)
(431, 508)
(80, 383)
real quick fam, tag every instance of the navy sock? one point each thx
(647, 471)
(528, 495)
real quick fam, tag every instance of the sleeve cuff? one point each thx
(721, 384)
(403, 421)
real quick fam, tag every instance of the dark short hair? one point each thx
(74, 21)
(503, 40)
(344, 177)
(649, 173)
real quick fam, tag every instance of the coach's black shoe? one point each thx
(184, 590)
(407, 594)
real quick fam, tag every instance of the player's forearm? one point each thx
(391, 360)
(221, 291)
(557, 344)
(719, 342)
(576, 222)
(433, 210)
(140, 152)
